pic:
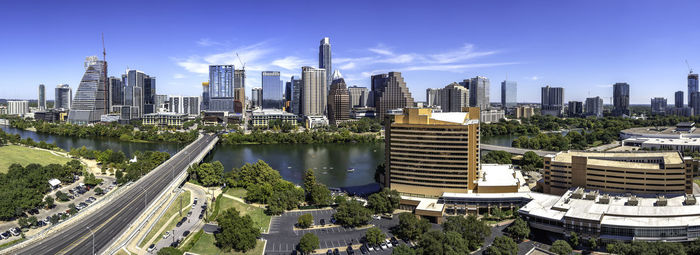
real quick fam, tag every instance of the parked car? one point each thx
(376, 217)
(329, 252)
(184, 234)
(179, 223)
(383, 246)
(350, 251)
(336, 252)
(388, 244)
(363, 250)
(323, 222)
(166, 235)
(195, 201)
(152, 247)
(369, 247)
(394, 241)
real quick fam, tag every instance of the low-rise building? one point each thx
(19, 108)
(615, 217)
(675, 144)
(499, 178)
(523, 112)
(311, 122)
(260, 118)
(492, 116)
(164, 119)
(635, 172)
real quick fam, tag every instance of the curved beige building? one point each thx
(429, 153)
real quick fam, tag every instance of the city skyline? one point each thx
(611, 47)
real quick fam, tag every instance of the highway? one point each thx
(110, 220)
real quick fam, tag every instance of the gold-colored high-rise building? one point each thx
(430, 153)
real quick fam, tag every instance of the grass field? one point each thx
(24, 156)
(257, 214)
(172, 210)
(205, 245)
(237, 192)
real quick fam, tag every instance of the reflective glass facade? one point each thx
(272, 90)
(91, 96)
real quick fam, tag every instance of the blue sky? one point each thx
(583, 46)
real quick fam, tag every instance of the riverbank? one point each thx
(23, 155)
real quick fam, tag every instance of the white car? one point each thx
(376, 217)
(166, 235)
(370, 247)
(151, 248)
(383, 246)
(388, 243)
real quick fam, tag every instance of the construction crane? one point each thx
(241, 61)
(689, 69)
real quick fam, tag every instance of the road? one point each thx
(191, 224)
(511, 150)
(109, 221)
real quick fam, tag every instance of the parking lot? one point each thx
(282, 238)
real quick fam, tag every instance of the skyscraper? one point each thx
(509, 94)
(658, 105)
(19, 108)
(324, 58)
(358, 96)
(296, 95)
(454, 98)
(621, 99)
(116, 91)
(479, 92)
(313, 91)
(221, 95)
(205, 95)
(695, 105)
(42, 97)
(679, 99)
(575, 108)
(239, 89)
(288, 96)
(390, 92)
(432, 97)
(692, 86)
(184, 104)
(272, 90)
(91, 96)
(63, 97)
(594, 106)
(149, 95)
(256, 98)
(338, 100)
(552, 101)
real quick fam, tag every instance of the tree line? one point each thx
(114, 130)
(306, 137)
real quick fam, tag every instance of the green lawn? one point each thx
(172, 210)
(257, 214)
(696, 181)
(205, 245)
(24, 155)
(237, 192)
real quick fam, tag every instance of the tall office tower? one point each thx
(288, 96)
(296, 95)
(594, 106)
(575, 108)
(63, 97)
(552, 101)
(453, 98)
(149, 95)
(272, 90)
(205, 96)
(42, 97)
(239, 90)
(376, 84)
(221, 95)
(479, 92)
(358, 96)
(432, 97)
(256, 98)
(390, 93)
(695, 103)
(509, 94)
(184, 104)
(692, 85)
(465, 83)
(91, 96)
(658, 105)
(338, 100)
(324, 59)
(134, 91)
(621, 99)
(116, 91)
(313, 92)
(418, 136)
(679, 99)
(19, 108)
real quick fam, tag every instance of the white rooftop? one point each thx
(497, 175)
(454, 117)
(54, 182)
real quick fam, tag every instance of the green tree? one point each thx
(169, 251)
(308, 243)
(208, 174)
(561, 247)
(339, 199)
(403, 249)
(23, 222)
(519, 229)
(319, 195)
(62, 196)
(98, 191)
(257, 173)
(237, 232)
(385, 201)
(305, 220)
(49, 201)
(454, 244)
(309, 179)
(375, 236)
(573, 239)
(410, 227)
(593, 244)
(498, 157)
(431, 242)
(472, 229)
(352, 214)
(503, 245)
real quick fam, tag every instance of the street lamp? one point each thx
(93, 240)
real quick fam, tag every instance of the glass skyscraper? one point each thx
(91, 96)
(479, 92)
(621, 99)
(42, 97)
(692, 86)
(272, 90)
(324, 59)
(221, 81)
(509, 94)
(63, 97)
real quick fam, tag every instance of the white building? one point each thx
(184, 104)
(19, 108)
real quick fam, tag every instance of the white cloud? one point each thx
(381, 51)
(348, 66)
(467, 52)
(178, 76)
(206, 42)
(534, 78)
(453, 68)
(290, 62)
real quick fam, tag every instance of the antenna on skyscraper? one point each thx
(689, 69)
